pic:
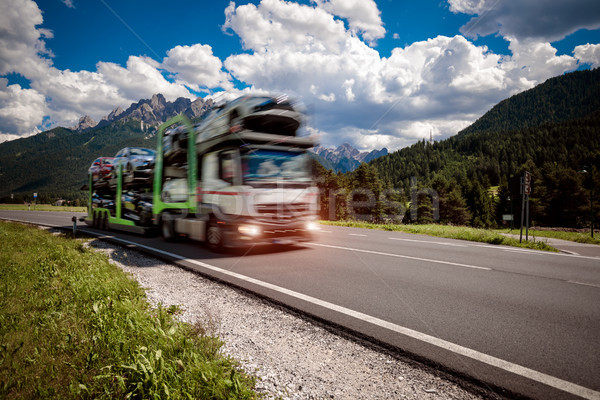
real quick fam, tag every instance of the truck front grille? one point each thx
(281, 213)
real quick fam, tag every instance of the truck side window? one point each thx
(226, 167)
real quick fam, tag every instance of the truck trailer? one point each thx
(242, 176)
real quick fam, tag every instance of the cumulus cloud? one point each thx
(320, 52)
(62, 96)
(276, 24)
(533, 61)
(439, 85)
(588, 54)
(21, 43)
(21, 110)
(196, 67)
(363, 16)
(540, 20)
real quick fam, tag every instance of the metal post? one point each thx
(592, 201)
(592, 209)
(522, 212)
(74, 219)
(527, 219)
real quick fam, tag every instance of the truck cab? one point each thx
(244, 187)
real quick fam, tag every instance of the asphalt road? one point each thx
(527, 321)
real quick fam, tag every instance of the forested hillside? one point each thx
(563, 98)
(552, 131)
(54, 163)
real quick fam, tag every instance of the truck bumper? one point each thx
(242, 234)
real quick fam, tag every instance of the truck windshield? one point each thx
(269, 166)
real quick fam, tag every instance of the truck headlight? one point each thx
(312, 226)
(250, 230)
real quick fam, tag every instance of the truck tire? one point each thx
(214, 237)
(104, 221)
(167, 228)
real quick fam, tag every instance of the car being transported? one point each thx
(101, 167)
(135, 161)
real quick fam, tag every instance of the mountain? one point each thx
(551, 131)
(157, 110)
(54, 163)
(516, 129)
(85, 123)
(345, 158)
(562, 98)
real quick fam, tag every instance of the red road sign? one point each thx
(527, 183)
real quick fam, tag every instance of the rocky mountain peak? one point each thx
(345, 157)
(114, 114)
(153, 111)
(85, 123)
(158, 102)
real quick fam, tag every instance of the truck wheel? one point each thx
(167, 229)
(102, 222)
(214, 237)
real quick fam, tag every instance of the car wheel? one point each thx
(167, 228)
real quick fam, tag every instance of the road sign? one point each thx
(507, 217)
(527, 183)
(35, 195)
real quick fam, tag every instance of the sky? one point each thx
(372, 73)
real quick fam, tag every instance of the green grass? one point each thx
(42, 207)
(446, 231)
(72, 325)
(571, 236)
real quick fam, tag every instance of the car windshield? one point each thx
(268, 166)
(142, 152)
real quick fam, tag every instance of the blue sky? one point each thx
(373, 73)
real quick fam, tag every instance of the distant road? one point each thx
(524, 320)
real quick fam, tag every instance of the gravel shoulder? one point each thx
(294, 358)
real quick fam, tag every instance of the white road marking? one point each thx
(357, 234)
(402, 256)
(597, 285)
(324, 231)
(534, 375)
(428, 241)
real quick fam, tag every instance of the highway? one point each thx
(523, 320)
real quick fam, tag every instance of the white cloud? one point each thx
(21, 43)
(443, 83)
(140, 79)
(278, 25)
(21, 110)
(363, 16)
(540, 20)
(320, 53)
(197, 67)
(534, 62)
(69, 3)
(588, 54)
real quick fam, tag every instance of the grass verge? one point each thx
(41, 207)
(446, 231)
(570, 236)
(72, 325)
